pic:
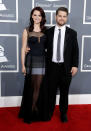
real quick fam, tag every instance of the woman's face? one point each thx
(36, 17)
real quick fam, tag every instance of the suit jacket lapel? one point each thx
(51, 37)
(66, 38)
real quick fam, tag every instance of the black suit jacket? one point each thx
(71, 51)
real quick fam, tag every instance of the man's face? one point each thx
(61, 18)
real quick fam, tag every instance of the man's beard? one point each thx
(60, 24)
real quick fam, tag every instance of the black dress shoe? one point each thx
(46, 117)
(64, 118)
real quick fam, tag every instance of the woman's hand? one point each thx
(27, 50)
(24, 70)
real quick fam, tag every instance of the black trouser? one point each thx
(58, 77)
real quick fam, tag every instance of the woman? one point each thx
(33, 64)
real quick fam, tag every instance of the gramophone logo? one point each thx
(2, 6)
(9, 53)
(2, 56)
(9, 11)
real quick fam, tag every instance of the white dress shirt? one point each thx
(56, 32)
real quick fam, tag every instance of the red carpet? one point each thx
(79, 119)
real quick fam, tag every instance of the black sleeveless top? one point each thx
(35, 58)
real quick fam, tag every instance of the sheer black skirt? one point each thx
(35, 94)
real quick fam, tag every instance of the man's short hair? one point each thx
(62, 9)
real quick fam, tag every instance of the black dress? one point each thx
(35, 67)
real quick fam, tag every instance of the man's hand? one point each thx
(27, 50)
(74, 70)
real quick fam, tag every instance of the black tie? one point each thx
(58, 46)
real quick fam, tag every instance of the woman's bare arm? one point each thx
(23, 50)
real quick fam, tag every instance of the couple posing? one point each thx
(50, 62)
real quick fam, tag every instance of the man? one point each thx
(62, 61)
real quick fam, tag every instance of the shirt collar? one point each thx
(57, 27)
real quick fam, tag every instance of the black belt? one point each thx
(59, 63)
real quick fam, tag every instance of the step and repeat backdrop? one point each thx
(14, 17)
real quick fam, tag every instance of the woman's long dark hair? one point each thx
(42, 23)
